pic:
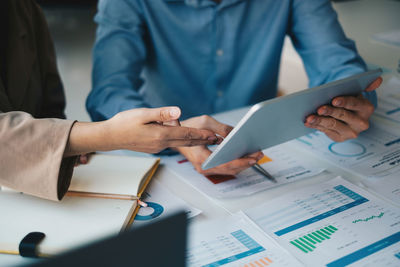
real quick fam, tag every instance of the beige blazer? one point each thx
(33, 132)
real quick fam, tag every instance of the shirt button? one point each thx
(220, 52)
(220, 93)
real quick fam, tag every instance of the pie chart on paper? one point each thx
(152, 211)
(347, 149)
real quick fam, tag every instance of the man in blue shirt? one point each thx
(208, 56)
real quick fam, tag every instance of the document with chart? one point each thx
(280, 161)
(233, 241)
(389, 100)
(161, 203)
(375, 153)
(388, 187)
(334, 224)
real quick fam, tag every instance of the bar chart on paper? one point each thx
(309, 242)
(233, 243)
(333, 224)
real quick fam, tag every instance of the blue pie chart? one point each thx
(152, 211)
(347, 149)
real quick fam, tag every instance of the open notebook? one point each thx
(102, 201)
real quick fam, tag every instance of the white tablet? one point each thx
(282, 119)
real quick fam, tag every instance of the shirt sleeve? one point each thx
(31, 155)
(327, 53)
(118, 59)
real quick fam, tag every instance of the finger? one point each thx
(164, 114)
(83, 159)
(201, 153)
(257, 155)
(89, 156)
(358, 104)
(173, 133)
(238, 165)
(188, 143)
(329, 123)
(212, 124)
(219, 140)
(335, 136)
(172, 123)
(374, 85)
(356, 122)
(231, 168)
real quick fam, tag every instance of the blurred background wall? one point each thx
(73, 30)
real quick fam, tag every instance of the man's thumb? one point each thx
(374, 85)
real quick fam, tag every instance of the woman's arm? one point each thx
(37, 155)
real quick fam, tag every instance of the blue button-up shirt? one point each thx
(206, 57)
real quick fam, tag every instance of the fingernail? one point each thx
(312, 121)
(337, 102)
(212, 138)
(252, 162)
(174, 112)
(323, 111)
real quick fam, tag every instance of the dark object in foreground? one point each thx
(162, 243)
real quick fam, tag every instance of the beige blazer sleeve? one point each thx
(31, 155)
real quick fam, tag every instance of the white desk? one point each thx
(360, 20)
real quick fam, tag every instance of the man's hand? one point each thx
(198, 154)
(346, 118)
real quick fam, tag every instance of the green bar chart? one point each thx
(309, 242)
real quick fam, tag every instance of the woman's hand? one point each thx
(140, 129)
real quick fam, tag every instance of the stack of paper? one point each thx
(280, 161)
(333, 224)
(234, 242)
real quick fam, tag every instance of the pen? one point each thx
(106, 196)
(263, 172)
(100, 195)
